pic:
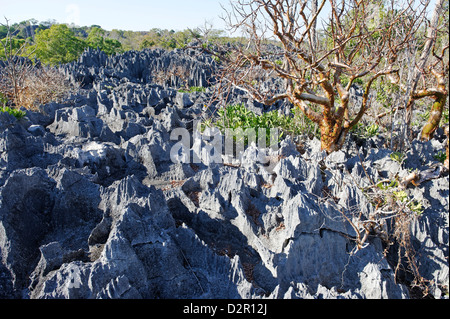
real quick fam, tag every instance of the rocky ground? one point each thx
(91, 205)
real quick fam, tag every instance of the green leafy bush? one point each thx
(366, 131)
(397, 156)
(58, 45)
(193, 89)
(238, 116)
(13, 47)
(440, 156)
(97, 40)
(18, 114)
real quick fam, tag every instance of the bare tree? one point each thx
(26, 83)
(438, 92)
(434, 73)
(357, 41)
(430, 65)
(15, 67)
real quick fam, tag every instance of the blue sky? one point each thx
(136, 15)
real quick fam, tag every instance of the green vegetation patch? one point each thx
(193, 89)
(18, 114)
(237, 116)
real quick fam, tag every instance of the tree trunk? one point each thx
(332, 135)
(446, 162)
(431, 38)
(440, 97)
(435, 117)
(314, 6)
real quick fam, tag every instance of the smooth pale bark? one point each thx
(435, 117)
(446, 162)
(440, 97)
(431, 39)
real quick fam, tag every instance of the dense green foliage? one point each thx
(58, 45)
(3, 31)
(13, 46)
(97, 40)
(54, 43)
(168, 39)
(18, 114)
(237, 116)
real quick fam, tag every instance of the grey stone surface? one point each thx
(91, 206)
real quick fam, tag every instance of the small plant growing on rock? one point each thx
(397, 157)
(366, 131)
(394, 211)
(440, 156)
(237, 116)
(372, 130)
(18, 114)
(193, 89)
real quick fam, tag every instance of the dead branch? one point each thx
(279, 44)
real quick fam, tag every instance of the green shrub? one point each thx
(12, 46)
(366, 131)
(445, 116)
(97, 40)
(238, 116)
(58, 45)
(440, 156)
(193, 89)
(18, 114)
(397, 156)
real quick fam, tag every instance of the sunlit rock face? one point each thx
(93, 205)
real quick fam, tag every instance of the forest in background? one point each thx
(374, 73)
(248, 67)
(45, 40)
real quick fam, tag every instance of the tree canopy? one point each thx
(97, 40)
(58, 44)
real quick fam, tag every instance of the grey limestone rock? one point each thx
(79, 121)
(27, 200)
(92, 206)
(183, 100)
